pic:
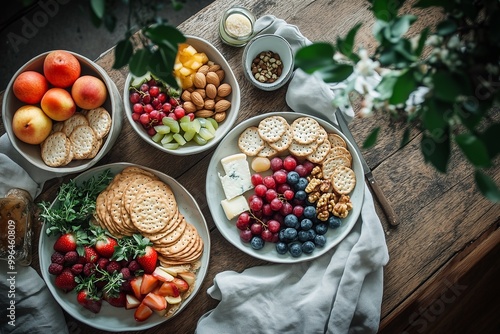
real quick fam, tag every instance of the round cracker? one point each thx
(272, 128)
(82, 140)
(150, 212)
(250, 142)
(320, 153)
(284, 142)
(55, 149)
(343, 180)
(331, 163)
(71, 123)
(302, 150)
(100, 121)
(336, 140)
(304, 130)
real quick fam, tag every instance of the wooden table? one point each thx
(444, 255)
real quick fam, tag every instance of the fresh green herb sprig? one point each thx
(76, 204)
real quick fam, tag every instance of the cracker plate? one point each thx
(111, 318)
(215, 193)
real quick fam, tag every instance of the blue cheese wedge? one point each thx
(233, 207)
(237, 179)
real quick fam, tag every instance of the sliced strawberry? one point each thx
(155, 302)
(148, 260)
(142, 312)
(136, 283)
(65, 243)
(149, 283)
(168, 289)
(131, 302)
(162, 275)
(181, 284)
(88, 301)
(66, 280)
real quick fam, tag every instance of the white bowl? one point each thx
(201, 45)
(276, 44)
(32, 153)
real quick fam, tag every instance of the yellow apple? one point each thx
(31, 125)
(89, 92)
(58, 104)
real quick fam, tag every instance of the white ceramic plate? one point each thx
(215, 194)
(111, 318)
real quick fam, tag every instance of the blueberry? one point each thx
(281, 235)
(320, 240)
(334, 222)
(257, 242)
(303, 236)
(292, 178)
(309, 212)
(281, 247)
(291, 220)
(300, 195)
(301, 184)
(308, 247)
(290, 233)
(295, 249)
(321, 228)
(306, 224)
(311, 234)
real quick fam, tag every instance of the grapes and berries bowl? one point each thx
(123, 272)
(285, 187)
(193, 117)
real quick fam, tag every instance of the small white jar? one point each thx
(236, 26)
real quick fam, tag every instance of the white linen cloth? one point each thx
(339, 292)
(36, 311)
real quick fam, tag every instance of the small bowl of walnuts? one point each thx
(268, 61)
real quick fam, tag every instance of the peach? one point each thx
(89, 92)
(58, 104)
(31, 125)
(29, 87)
(61, 68)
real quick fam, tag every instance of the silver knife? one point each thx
(384, 203)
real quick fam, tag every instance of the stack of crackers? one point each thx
(79, 137)
(137, 201)
(306, 139)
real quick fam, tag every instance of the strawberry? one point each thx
(65, 243)
(66, 280)
(90, 254)
(149, 282)
(118, 300)
(136, 283)
(142, 312)
(105, 245)
(91, 303)
(148, 259)
(168, 289)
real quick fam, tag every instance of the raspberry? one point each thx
(70, 258)
(77, 268)
(55, 268)
(57, 257)
(126, 273)
(134, 266)
(113, 266)
(126, 286)
(102, 263)
(88, 269)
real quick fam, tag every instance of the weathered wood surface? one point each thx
(440, 215)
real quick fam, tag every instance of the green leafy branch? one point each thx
(451, 94)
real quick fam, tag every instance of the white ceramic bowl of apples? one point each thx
(164, 123)
(36, 99)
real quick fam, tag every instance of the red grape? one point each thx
(166, 107)
(289, 163)
(162, 97)
(154, 91)
(266, 210)
(298, 210)
(289, 194)
(269, 182)
(276, 164)
(260, 190)
(279, 176)
(270, 195)
(301, 170)
(246, 235)
(256, 228)
(256, 204)
(267, 235)
(135, 97)
(256, 179)
(148, 108)
(273, 225)
(138, 108)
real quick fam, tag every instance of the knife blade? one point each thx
(384, 203)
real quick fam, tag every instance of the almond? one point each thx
(222, 105)
(211, 91)
(204, 69)
(186, 96)
(224, 90)
(189, 106)
(221, 74)
(204, 113)
(202, 92)
(200, 80)
(209, 104)
(214, 68)
(213, 78)
(220, 116)
(197, 99)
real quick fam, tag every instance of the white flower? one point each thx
(454, 42)
(366, 66)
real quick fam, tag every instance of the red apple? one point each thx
(89, 92)
(58, 104)
(31, 125)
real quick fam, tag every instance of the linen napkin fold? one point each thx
(339, 292)
(36, 311)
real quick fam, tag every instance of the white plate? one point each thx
(111, 318)
(215, 194)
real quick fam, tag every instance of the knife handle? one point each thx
(384, 203)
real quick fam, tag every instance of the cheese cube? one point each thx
(233, 207)
(237, 179)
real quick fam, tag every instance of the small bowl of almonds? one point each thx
(268, 61)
